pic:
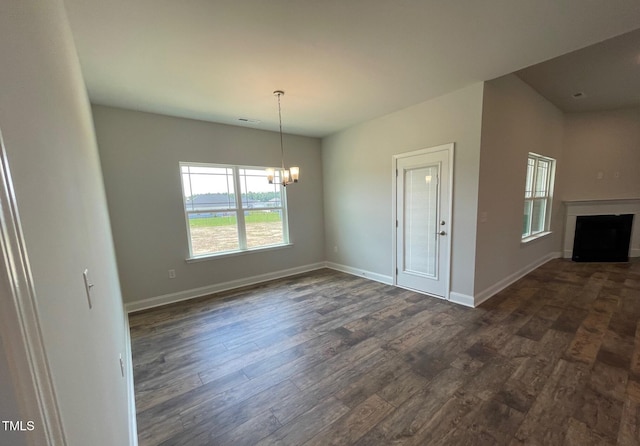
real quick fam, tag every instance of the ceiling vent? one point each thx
(579, 95)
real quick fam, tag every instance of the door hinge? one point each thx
(396, 172)
(396, 223)
(396, 271)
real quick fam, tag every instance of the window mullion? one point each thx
(530, 222)
(534, 195)
(242, 227)
(548, 195)
(534, 189)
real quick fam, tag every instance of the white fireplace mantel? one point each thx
(575, 208)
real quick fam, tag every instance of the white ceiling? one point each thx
(607, 74)
(340, 62)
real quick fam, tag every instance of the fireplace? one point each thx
(609, 209)
(602, 238)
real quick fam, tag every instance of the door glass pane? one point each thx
(420, 220)
(213, 232)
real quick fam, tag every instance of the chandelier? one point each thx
(290, 175)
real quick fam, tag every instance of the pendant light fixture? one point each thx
(292, 174)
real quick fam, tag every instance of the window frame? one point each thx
(239, 209)
(532, 195)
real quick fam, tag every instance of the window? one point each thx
(538, 195)
(220, 220)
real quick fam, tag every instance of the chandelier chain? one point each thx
(280, 119)
(287, 176)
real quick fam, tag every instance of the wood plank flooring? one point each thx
(326, 358)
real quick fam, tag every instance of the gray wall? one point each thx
(140, 153)
(515, 121)
(48, 131)
(606, 142)
(357, 165)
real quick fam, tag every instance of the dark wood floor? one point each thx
(328, 358)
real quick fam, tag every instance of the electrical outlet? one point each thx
(172, 274)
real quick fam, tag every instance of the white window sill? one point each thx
(206, 257)
(537, 236)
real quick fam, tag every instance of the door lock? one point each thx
(442, 233)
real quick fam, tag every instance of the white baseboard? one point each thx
(131, 395)
(218, 287)
(461, 299)
(458, 298)
(360, 272)
(501, 285)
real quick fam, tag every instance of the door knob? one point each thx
(442, 233)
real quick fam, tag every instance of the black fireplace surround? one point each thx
(602, 238)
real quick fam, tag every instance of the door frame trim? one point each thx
(20, 332)
(449, 148)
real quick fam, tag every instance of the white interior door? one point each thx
(422, 220)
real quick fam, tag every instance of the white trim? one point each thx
(502, 284)
(457, 298)
(450, 149)
(226, 254)
(388, 280)
(534, 237)
(239, 208)
(394, 221)
(218, 287)
(548, 195)
(131, 393)
(20, 330)
(462, 299)
(614, 205)
(421, 292)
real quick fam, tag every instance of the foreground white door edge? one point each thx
(422, 219)
(20, 333)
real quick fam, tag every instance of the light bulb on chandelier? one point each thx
(292, 174)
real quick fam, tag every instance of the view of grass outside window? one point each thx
(219, 220)
(538, 195)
